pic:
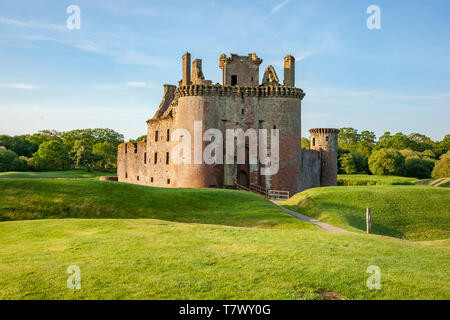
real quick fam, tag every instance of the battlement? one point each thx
(323, 130)
(249, 91)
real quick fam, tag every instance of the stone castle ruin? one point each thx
(241, 101)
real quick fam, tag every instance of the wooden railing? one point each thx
(278, 195)
(269, 194)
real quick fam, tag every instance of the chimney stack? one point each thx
(186, 81)
(289, 71)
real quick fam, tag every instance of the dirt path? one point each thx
(316, 222)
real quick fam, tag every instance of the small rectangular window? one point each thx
(145, 157)
(151, 179)
(314, 142)
(326, 138)
(168, 134)
(135, 147)
(156, 157)
(156, 136)
(126, 174)
(168, 181)
(233, 80)
(167, 158)
(137, 178)
(126, 148)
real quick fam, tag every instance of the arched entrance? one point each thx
(242, 179)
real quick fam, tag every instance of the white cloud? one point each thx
(279, 6)
(31, 24)
(21, 86)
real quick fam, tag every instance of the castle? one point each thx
(241, 101)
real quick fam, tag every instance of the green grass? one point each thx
(22, 199)
(154, 259)
(136, 242)
(409, 212)
(442, 183)
(67, 174)
(368, 180)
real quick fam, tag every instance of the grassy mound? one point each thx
(368, 180)
(22, 199)
(67, 174)
(410, 212)
(154, 259)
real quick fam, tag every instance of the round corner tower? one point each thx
(325, 140)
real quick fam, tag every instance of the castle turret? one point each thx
(325, 140)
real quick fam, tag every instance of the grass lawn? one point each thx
(369, 180)
(409, 212)
(22, 199)
(67, 174)
(155, 259)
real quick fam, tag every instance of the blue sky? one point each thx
(110, 72)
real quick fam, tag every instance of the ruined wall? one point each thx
(245, 68)
(310, 169)
(130, 162)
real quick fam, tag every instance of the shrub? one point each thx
(387, 162)
(19, 164)
(442, 167)
(418, 168)
(354, 163)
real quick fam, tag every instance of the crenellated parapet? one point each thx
(248, 91)
(323, 130)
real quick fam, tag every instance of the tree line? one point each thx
(52, 150)
(413, 155)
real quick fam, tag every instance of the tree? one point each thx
(354, 163)
(442, 167)
(399, 141)
(387, 162)
(420, 142)
(106, 152)
(18, 144)
(410, 153)
(6, 159)
(305, 143)
(444, 145)
(52, 155)
(141, 138)
(418, 168)
(43, 136)
(348, 139)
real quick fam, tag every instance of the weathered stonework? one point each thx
(245, 104)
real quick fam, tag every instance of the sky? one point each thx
(110, 72)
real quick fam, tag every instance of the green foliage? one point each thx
(141, 138)
(348, 164)
(66, 174)
(442, 167)
(444, 145)
(305, 143)
(6, 159)
(408, 212)
(350, 140)
(19, 144)
(19, 164)
(52, 155)
(387, 162)
(44, 136)
(354, 163)
(418, 168)
(106, 153)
